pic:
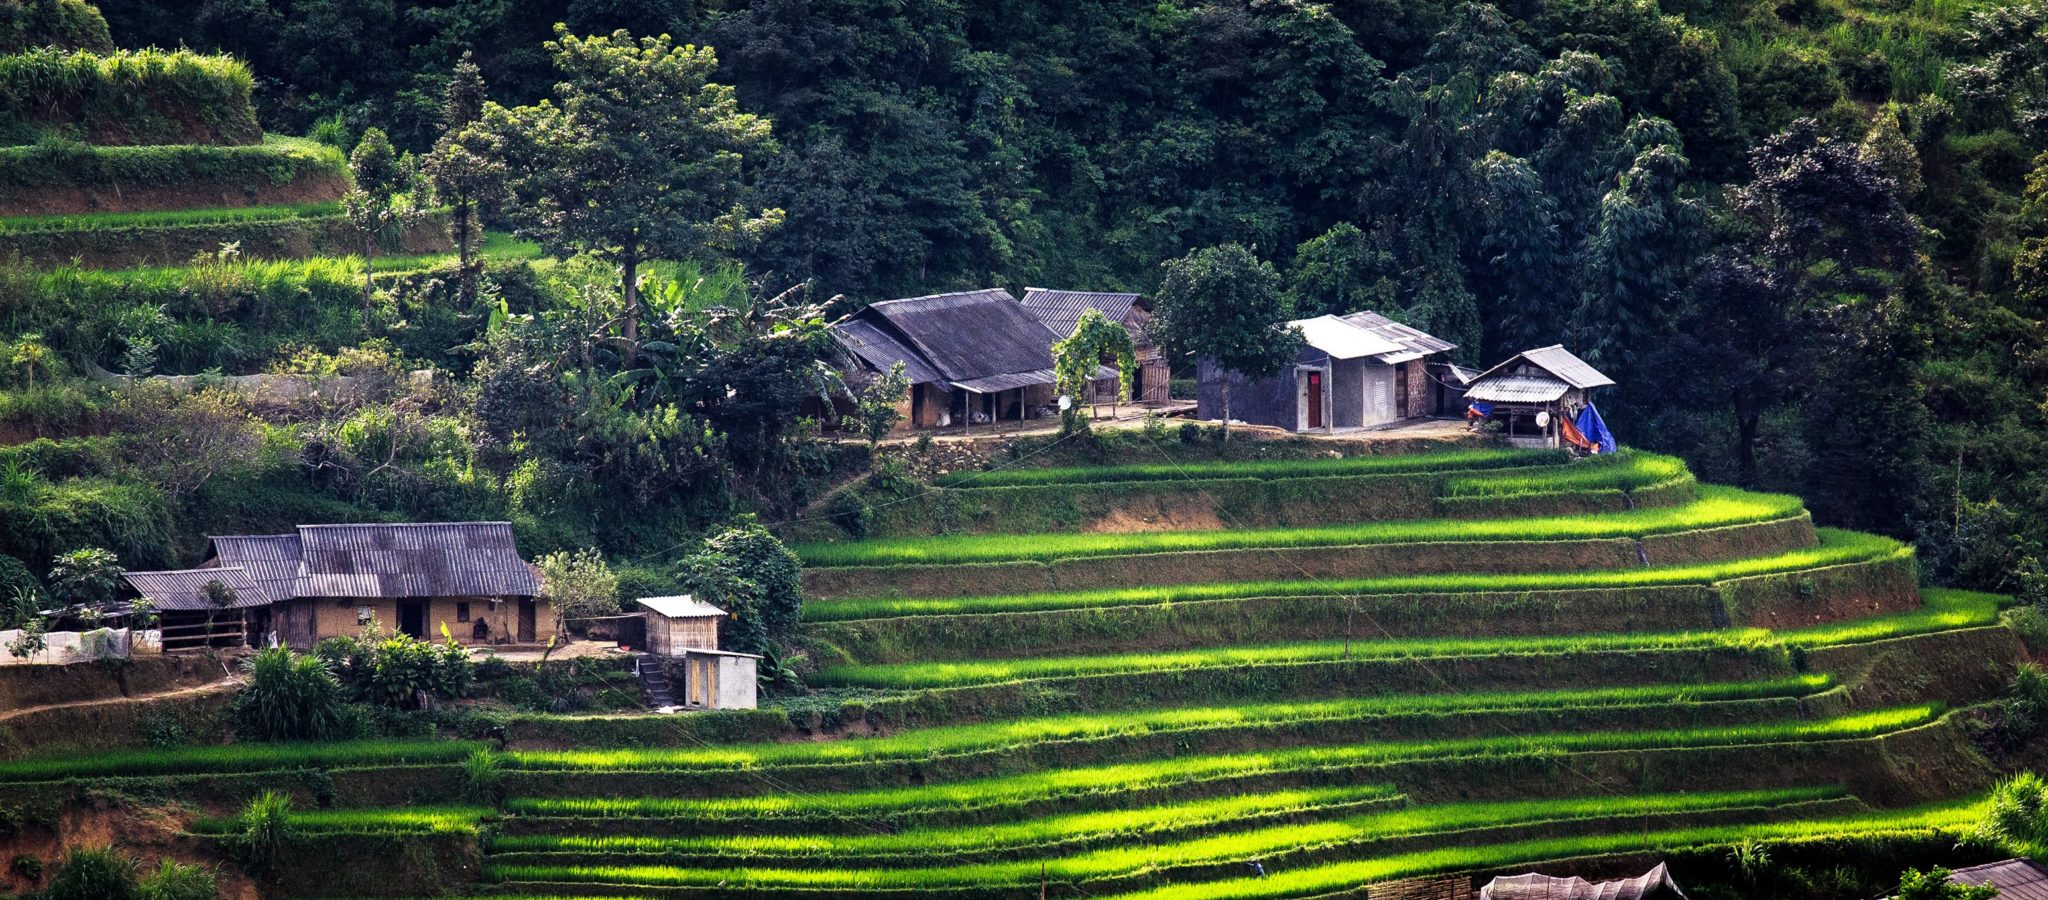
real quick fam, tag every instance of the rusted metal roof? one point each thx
(271, 560)
(1559, 362)
(1061, 310)
(431, 559)
(185, 590)
(1655, 884)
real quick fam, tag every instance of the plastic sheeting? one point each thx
(1595, 429)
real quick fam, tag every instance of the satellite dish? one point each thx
(1543, 420)
(1066, 403)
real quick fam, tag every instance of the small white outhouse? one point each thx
(716, 679)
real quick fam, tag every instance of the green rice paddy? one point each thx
(1449, 461)
(1716, 507)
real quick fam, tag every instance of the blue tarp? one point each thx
(1482, 408)
(1595, 429)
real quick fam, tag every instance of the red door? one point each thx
(1315, 399)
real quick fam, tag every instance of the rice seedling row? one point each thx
(1350, 835)
(166, 218)
(1836, 548)
(1715, 507)
(416, 820)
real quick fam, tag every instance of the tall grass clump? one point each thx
(68, 164)
(290, 698)
(1716, 507)
(177, 881)
(264, 831)
(127, 97)
(93, 873)
(2017, 816)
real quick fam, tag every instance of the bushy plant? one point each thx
(264, 831)
(747, 572)
(1933, 884)
(483, 777)
(2018, 815)
(397, 670)
(290, 698)
(86, 576)
(177, 881)
(579, 584)
(93, 873)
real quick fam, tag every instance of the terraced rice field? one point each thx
(1449, 695)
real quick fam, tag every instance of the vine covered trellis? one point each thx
(1075, 359)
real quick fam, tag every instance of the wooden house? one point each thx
(1655, 884)
(973, 358)
(411, 578)
(209, 608)
(676, 624)
(1061, 311)
(1357, 371)
(1535, 392)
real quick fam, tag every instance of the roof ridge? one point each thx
(404, 524)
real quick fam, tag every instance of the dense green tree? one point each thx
(744, 570)
(642, 159)
(1341, 271)
(381, 204)
(1224, 305)
(464, 178)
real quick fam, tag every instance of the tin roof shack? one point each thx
(716, 679)
(677, 624)
(1357, 371)
(207, 608)
(1061, 311)
(972, 357)
(1655, 884)
(2015, 879)
(467, 576)
(1536, 392)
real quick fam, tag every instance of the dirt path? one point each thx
(210, 687)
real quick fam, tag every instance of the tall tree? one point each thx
(381, 203)
(463, 177)
(1227, 306)
(641, 156)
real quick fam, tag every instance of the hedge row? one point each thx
(127, 97)
(67, 178)
(287, 237)
(66, 24)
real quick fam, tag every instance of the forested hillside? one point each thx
(1800, 234)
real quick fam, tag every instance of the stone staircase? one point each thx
(654, 686)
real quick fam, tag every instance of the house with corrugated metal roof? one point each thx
(1061, 311)
(415, 578)
(1361, 370)
(1535, 394)
(972, 357)
(211, 608)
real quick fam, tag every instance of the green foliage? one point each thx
(90, 873)
(579, 584)
(86, 577)
(1226, 306)
(126, 97)
(744, 570)
(1933, 884)
(65, 24)
(397, 670)
(264, 832)
(68, 165)
(1076, 356)
(1444, 461)
(289, 697)
(2018, 814)
(174, 880)
(483, 777)
(121, 221)
(875, 404)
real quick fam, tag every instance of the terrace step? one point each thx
(654, 685)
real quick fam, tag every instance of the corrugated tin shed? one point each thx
(1655, 884)
(2016, 879)
(271, 560)
(1516, 389)
(1559, 362)
(184, 590)
(1344, 340)
(432, 559)
(681, 607)
(876, 348)
(971, 335)
(1418, 344)
(1061, 310)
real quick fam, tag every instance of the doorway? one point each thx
(526, 620)
(1401, 391)
(1315, 400)
(412, 618)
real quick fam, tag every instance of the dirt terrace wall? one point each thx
(25, 686)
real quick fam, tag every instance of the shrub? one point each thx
(482, 777)
(395, 670)
(28, 867)
(747, 572)
(264, 831)
(177, 881)
(93, 874)
(67, 24)
(2018, 814)
(289, 698)
(1933, 884)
